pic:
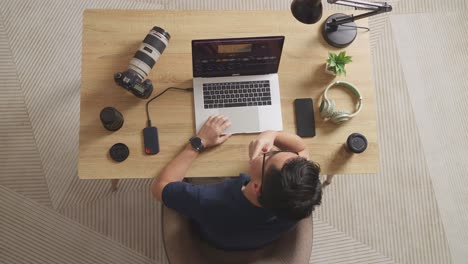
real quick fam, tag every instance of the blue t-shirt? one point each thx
(223, 216)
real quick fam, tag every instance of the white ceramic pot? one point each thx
(327, 70)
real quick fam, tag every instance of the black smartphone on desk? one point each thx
(305, 120)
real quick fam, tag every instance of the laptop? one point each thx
(238, 78)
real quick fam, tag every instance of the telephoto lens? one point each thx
(152, 47)
(149, 52)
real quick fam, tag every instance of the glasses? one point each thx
(271, 154)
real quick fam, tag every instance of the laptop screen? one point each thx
(236, 56)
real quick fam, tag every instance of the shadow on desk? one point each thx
(338, 160)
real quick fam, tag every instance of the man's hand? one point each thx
(263, 143)
(212, 131)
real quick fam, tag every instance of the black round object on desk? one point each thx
(119, 152)
(339, 36)
(356, 143)
(307, 11)
(111, 119)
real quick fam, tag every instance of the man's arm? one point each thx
(174, 170)
(286, 141)
(210, 134)
(282, 140)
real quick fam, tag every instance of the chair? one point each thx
(182, 246)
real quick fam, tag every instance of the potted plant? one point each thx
(336, 63)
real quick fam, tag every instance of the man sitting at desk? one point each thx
(252, 210)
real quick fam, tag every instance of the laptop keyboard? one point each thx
(236, 94)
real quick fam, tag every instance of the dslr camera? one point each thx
(134, 78)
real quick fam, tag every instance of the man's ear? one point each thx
(257, 188)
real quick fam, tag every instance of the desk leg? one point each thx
(327, 181)
(114, 183)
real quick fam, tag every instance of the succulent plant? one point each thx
(337, 62)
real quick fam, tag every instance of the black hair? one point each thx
(293, 191)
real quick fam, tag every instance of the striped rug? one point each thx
(413, 211)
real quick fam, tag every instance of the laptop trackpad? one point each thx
(243, 119)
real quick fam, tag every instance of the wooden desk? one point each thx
(110, 39)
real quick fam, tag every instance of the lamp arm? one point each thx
(352, 18)
(360, 4)
(377, 8)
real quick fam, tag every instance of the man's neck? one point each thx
(249, 195)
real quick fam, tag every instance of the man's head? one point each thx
(286, 184)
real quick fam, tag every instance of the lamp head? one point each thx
(307, 11)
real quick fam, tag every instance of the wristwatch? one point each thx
(197, 144)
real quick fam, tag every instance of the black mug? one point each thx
(111, 119)
(356, 143)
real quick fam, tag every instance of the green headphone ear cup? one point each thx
(324, 108)
(331, 108)
(340, 117)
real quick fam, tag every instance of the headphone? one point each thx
(327, 106)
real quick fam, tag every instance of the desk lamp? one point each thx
(339, 30)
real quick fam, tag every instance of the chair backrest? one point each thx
(183, 246)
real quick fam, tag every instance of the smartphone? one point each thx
(305, 120)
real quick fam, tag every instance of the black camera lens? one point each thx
(111, 119)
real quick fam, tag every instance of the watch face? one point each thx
(196, 143)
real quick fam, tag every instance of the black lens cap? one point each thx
(107, 115)
(119, 152)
